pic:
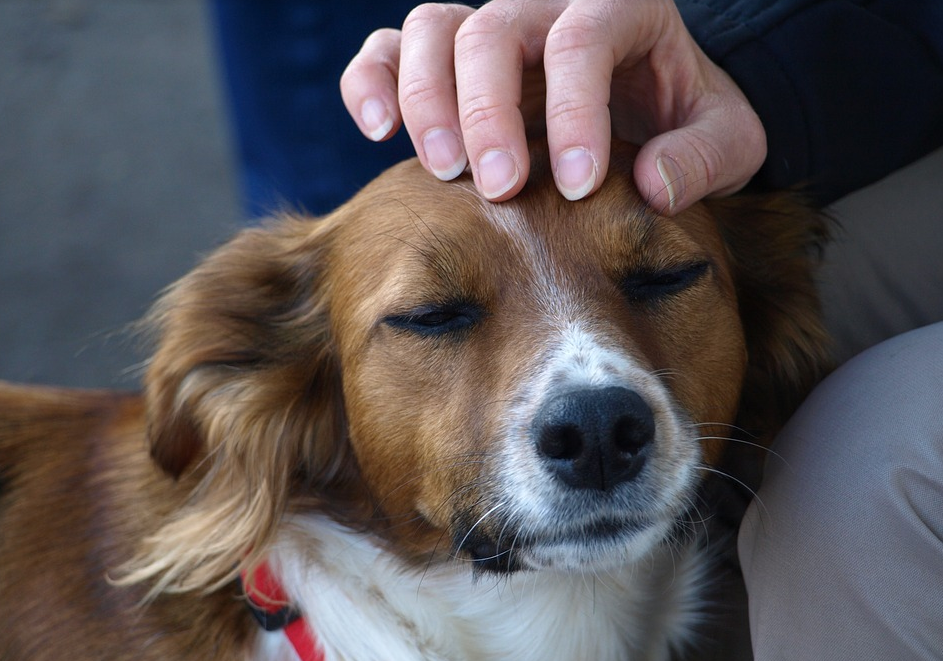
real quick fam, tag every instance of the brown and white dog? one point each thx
(453, 430)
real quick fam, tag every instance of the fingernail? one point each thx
(444, 154)
(376, 118)
(497, 173)
(673, 178)
(576, 173)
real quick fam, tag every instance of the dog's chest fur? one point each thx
(365, 604)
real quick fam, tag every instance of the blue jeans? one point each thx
(297, 149)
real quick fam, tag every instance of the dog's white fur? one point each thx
(366, 605)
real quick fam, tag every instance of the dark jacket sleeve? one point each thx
(847, 91)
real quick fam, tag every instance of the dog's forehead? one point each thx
(409, 237)
(406, 199)
(408, 211)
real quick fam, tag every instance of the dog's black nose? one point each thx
(595, 438)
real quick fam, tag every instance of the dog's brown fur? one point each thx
(249, 396)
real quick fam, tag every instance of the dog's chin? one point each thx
(601, 546)
(592, 553)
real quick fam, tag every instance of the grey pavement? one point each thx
(115, 174)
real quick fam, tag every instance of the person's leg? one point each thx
(297, 148)
(883, 274)
(842, 551)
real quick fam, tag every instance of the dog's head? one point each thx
(530, 384)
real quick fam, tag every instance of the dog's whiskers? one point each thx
(726, 475)
(732, 439)
(728, 425)
(666, 374)
(481, 519)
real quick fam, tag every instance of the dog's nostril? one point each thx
(631, 433)
(595, 438)
(560, 441)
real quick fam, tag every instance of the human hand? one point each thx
(453, 76)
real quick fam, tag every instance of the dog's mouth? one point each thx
(597, 544)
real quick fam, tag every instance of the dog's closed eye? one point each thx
(649, 285)
(437, 319)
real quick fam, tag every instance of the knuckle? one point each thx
(756, 136)
(417, 92)
(381, 48)
(480, 111)
(479, 30)
(707, 161)
(424, 14)
(429, 17)
(570, 36)
(568, 112)
(380, 39)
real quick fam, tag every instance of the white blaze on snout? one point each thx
(578, 359)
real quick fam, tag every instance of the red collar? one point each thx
(269, 603)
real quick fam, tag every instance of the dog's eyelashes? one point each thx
(654, 285)
(437, 319)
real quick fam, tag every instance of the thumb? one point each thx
(715, 154)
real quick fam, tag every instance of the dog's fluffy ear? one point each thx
(776, 245)
(243, 399)
(243, 340)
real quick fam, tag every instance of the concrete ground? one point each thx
(116, 173)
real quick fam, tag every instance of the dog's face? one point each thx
(532, 384)
(526, 379)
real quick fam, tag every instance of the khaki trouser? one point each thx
(842, 551)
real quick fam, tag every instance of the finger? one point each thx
(716, 153)
(492, 48)
(583, 48)
(427, 87)
(368, 85)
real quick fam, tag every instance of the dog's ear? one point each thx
(776, 245)
(243, 397)
(243, 343)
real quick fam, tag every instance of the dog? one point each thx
(424, 427)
